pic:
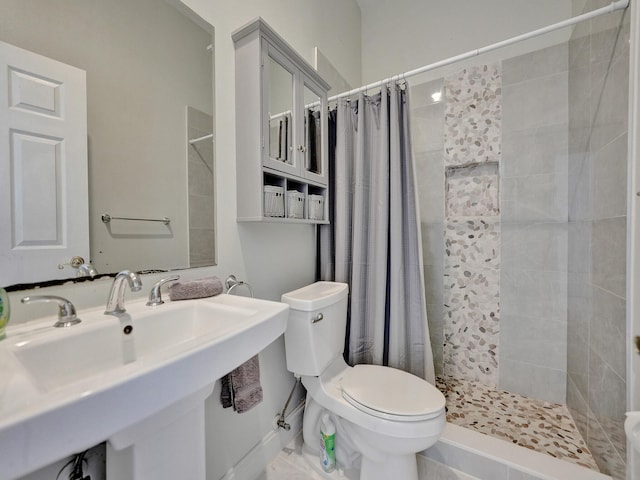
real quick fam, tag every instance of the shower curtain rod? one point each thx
(612, 7)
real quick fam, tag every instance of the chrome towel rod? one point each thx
(199, 139)
(106, 218)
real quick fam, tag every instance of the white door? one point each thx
(44, 219)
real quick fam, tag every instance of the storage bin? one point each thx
(316, 207)
(273, 201)
(295, 204)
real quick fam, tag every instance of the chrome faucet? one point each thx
(154, 296)
(115, 302)
(66, 311)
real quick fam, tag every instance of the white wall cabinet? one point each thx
(281, 130)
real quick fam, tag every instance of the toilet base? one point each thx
(351, 443)
(396, 466)
(405, 468)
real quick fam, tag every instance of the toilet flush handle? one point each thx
(318, 318)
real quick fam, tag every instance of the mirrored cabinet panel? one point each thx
(279, 112)
(313, 132)
(281, 130)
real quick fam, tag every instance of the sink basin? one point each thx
(53, 361)
(112, 380)
(99, 344)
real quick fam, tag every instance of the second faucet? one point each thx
(115, 301)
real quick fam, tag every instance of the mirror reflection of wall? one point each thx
(146, 63)
(280, 109)
(312, 131)
(201, 189)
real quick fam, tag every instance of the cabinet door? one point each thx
(279, 131)
(314, 149)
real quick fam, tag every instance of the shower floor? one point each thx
(541, 426)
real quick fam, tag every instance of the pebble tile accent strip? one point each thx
(472, 299)
(472, 151)
(535, 424)
(473, 115)
(473, 241)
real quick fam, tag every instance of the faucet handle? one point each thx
(155, 297)
(66, 310)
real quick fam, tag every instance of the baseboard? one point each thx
(253, 464)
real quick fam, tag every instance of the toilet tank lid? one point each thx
(315, 296)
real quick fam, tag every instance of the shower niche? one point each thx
(281, 130)
(472, 190)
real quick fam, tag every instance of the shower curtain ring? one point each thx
(401, 81)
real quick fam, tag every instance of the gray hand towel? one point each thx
(226, 398)
(241, 388)
(201, 288)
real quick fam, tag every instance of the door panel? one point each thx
(43, 166)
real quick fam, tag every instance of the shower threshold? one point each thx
(541, 426)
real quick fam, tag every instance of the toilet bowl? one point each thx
(383, 416)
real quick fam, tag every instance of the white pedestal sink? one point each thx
(175, 434)
(63, 390)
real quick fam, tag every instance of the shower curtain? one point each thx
(373, 242)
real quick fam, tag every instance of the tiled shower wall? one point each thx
(427, 129)
(562, 248)
(511, 278)
(201, 191)
(533, 352)
(598, 109)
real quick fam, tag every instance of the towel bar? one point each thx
(232, 282)
(200, 139)
(106, 218)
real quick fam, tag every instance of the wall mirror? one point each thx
(149, 95)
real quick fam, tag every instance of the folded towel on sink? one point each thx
(201, 288)
(241, 388)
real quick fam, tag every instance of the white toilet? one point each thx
(383, 416)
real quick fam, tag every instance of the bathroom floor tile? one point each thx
(538, 425)
(290, 465)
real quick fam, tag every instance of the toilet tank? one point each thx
(316, 328)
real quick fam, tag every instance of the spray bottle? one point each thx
(328, 443)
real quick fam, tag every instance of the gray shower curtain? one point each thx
(373, 242)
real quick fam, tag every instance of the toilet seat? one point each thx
(391, 394)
